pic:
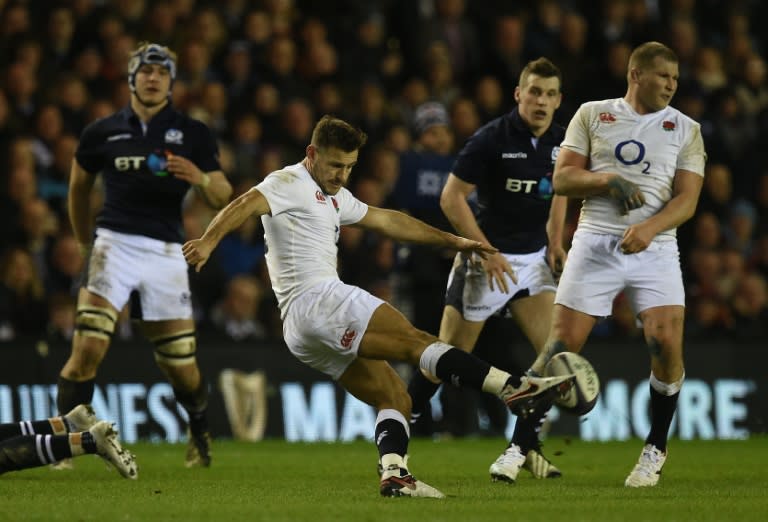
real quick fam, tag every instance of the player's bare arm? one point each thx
(453, 202)
(197, 251)
(572, 178)
(78, 202)
(556, 254)
(685, 194)
(402, 227)
(212, 186)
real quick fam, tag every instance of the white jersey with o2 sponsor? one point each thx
(646, 149)
(302, 230)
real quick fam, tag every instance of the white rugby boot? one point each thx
(521, 399)
(648, 468)
(108, 447)
(508, 465)
(398, 482)
(539, 466)
(81, 418)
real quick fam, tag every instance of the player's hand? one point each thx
(627, 194)
(636, 239)
(556, 257)
(197, 252)
(470, 246)
(497, 268)
(183, 169)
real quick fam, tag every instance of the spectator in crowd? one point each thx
(23, 309)
(236, 316)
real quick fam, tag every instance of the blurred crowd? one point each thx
(261, 72)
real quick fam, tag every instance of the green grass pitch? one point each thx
(276, 481)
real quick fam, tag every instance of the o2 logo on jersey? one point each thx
(158, 163)
(632, 152)
(546, 190)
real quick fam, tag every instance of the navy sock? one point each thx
(72, 393)
(391, 437)
(662, 409)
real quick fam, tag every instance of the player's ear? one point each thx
(517, 94)
(634, 74)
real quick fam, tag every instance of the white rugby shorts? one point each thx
(324, 325)
(597, 270)
(469, 293)
(121, 263)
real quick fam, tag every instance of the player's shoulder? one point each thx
(105, 124)
(190, 123)
(289, 175)
(596, 107)
(680, 117)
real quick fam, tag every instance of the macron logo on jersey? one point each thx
(607, 117)
(319, 196)
(514, 155)
(123, 136)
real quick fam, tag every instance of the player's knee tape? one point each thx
(665, 388)
(431, 355)
(95, 321)
(176, 349)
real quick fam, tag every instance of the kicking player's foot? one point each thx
(508, 465)
(198, 450)
(398, 482)
(108, 447)
(648, 468)
(81, 418)
(539, 466)
(522, 399)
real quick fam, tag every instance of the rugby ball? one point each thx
(580, 398)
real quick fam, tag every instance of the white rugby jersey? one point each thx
(645, 149)
(302, 231)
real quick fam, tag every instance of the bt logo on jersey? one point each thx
(124, 163)
(520, 185)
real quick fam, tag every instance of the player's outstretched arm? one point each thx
(197, 251)
(572, 178)
(402, 227)
(453, 202)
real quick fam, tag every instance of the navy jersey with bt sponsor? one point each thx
(513, 179)
(141, 197)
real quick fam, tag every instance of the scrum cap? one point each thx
(154, 54)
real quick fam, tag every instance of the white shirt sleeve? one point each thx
(283, 190)
(577, 136)
(351, 209)
(692, 156)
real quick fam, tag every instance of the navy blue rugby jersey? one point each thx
(141, 196)
(513, 179)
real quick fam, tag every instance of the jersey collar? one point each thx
(165, 114)
(520, 125)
